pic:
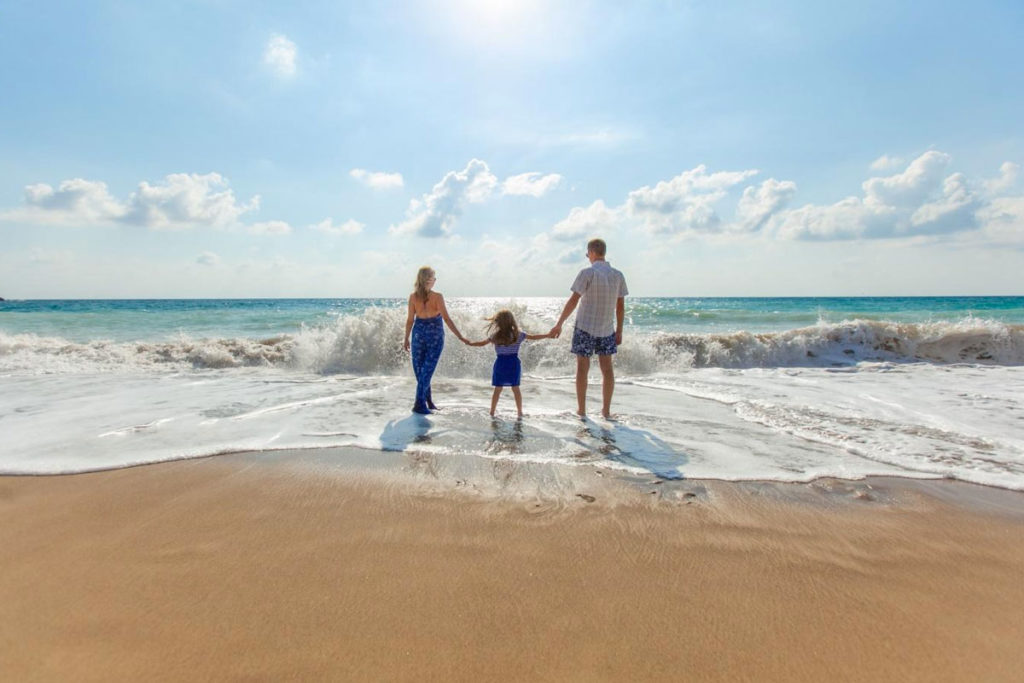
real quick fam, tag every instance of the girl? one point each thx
(426, 311)
(504, 333)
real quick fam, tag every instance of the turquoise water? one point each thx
(169, 319)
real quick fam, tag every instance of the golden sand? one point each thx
(218, 569)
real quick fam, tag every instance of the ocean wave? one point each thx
(370, 344)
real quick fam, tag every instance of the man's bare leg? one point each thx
(582, 369)
(607, 384)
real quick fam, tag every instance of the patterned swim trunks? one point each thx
(586, 344)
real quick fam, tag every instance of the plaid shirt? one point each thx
(599, 287)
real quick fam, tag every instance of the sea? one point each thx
(778, 389)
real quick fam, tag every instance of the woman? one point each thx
(426, 313)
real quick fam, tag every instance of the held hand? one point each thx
(556, 331)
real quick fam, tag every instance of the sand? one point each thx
(240, 567)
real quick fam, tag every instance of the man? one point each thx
(599, 291)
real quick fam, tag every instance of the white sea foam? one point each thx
(370, 344)
(846, 399)
(788, 424)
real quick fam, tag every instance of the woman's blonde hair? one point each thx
(502, 328)
(422, 276)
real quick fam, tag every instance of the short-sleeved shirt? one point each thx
(599, 287)
(510, 349)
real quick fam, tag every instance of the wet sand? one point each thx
(264, 568)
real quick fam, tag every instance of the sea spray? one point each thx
(370, 343)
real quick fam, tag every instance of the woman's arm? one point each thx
(447, 319)
(408, 323)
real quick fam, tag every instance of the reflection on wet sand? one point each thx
(506, 437)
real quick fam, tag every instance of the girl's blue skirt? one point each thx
(507, 371)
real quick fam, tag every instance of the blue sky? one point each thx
(219, 148)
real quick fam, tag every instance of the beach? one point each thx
(792, 489)
(333, 565)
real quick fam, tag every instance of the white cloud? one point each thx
(533, 184)
(921, 200)
(1008, 173)
(685, 203)
(585, 221)
(270, 228)
(953, 211)
(846, 219)
(886, 163)
(378, 180)
(911, 187)
(1003, 220)
(570, 256)
(208, 258)
(349, 227)
(179, 201)
(279, 56)
(436, 213)
(75, 201)
(758, 205)
(185, 200)
(917, 201)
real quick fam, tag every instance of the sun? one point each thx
(497, 24)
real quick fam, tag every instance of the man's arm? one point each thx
(620, 315)
(570, 306)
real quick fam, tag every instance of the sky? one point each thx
(328, 149)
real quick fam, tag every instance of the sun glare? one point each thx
(498, 23)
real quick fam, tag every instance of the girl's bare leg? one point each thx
(519, 400)
(494, 399)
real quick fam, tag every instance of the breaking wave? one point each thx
(370, 344)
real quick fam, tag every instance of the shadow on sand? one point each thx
(633, 447)
(398, 434)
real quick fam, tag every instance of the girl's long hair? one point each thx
(424, 274)
(502, 328)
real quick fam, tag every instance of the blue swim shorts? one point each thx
(586, 344)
